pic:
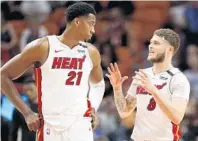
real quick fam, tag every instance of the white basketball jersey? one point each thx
(151, 123)
(64, 82)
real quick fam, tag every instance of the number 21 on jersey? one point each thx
(74, 78)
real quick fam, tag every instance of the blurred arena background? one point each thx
(123, 31)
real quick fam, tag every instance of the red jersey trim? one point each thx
(38, 78)
(176, 132)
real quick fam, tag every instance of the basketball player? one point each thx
(160, 92)
(67, 70)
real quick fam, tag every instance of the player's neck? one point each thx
(69, 38)
(161, 67)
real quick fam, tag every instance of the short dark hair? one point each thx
(171, 36)
(79, 9)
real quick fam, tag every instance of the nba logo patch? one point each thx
(163, 78)
(81, 51)
(48, 131)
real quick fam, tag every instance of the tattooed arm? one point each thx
(125, 105)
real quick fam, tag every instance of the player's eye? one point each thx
(156, 43)
(91, 23)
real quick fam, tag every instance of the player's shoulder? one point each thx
(175, 72)
(36, 49)
(93, 51)
(94, 54)
(181, 76)
(91, 47)
(178, 75)
(38, 43)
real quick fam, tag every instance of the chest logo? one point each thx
(56, 51)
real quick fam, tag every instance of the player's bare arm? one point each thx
(131, 104)
(35, 51)
(125, 105)
(96, 83)
(173, 110)
(96, 73)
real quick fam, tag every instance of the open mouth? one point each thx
(151, 52)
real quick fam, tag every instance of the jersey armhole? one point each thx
(39, 64)
(169, 72)
(90, 60)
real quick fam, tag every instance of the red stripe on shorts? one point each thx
(89, 110)
(38, 78)
(176, 132)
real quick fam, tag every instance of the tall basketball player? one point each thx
(67, 70)
(160, 92)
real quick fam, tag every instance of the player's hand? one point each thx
(33, 121)
(142, 79)
(95, 120)
(115, 76)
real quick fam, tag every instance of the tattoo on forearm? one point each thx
(124, 105)
(131, 102)
(120, 100)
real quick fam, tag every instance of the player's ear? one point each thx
(76, 21)
(171, 49)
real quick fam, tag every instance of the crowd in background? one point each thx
(123, 31)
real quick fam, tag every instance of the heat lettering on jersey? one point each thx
(152, 104)
(68, 63)
(74, 76)
(141, 90)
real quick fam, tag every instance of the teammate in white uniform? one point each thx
(160, 93)
(68, 76)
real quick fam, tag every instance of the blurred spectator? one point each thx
(192, 72)
(177, 15)
(117, 32)
(108, 119)
(99, 135)
(11, 10)
(8, 39)
(184, 17)
(8, 36)
(36, 12)
(191, 126)
(102, 7)
(122, 28)
(57, 18)
(108, 55)
(5, 124)
(18, 119)
(191, 16)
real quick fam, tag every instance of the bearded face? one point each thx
(157, 49)
(156, 57)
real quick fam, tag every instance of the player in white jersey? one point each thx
(68, 76)
(160, 93)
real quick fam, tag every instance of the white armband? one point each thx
(96, 94)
